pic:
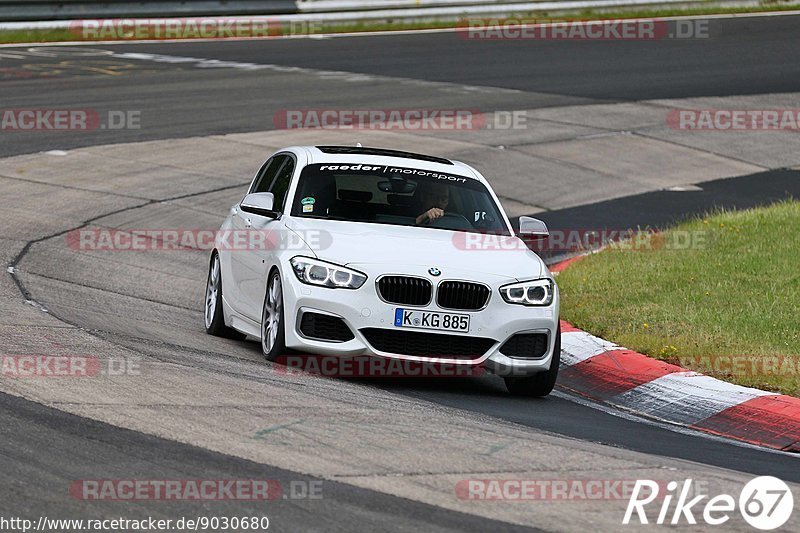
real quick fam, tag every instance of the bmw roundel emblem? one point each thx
(433, 271)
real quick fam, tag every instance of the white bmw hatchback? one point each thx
(351, 251)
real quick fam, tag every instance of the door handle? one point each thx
(248, 223)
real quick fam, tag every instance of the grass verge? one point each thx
(64, 35)
(718, 294)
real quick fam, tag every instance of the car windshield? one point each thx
(396, 195)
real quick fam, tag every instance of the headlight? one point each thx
(316, 272)
(537, 292)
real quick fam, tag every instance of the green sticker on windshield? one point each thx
(308, 200)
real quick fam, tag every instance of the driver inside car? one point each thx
(433, 200)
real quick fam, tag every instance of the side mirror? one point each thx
(532, 228)
(260, 203)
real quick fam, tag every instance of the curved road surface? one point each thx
(147, 306)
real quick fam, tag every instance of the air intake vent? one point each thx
(405, 290)
(526, 346)
(434, 345)
(462, 295)
(325, 327)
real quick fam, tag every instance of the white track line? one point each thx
(378, 33)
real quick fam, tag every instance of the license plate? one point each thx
(412, 318)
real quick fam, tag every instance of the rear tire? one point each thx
(273, 335)
(214, 317)
(541, 384)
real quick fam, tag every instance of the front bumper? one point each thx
(363, 308)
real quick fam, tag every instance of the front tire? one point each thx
(273, 336)
(541, 384)
(214, 317)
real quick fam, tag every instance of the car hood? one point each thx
(356, 243)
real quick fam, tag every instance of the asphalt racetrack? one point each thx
(207, 407)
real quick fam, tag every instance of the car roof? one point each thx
(383, 156)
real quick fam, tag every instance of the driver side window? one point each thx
(281, 184)
(268, 173)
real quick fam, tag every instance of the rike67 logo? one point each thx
(765, 503)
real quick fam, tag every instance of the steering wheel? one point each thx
(452, 221)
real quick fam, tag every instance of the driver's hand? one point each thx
(431, 214)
